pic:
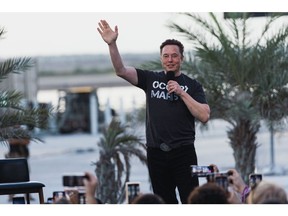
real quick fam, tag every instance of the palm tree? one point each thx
(117, 146)
(245, 82)
(12, 110)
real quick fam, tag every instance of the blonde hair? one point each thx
(267, 192)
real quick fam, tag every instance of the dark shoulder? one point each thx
(150, 75)
(191, 79)
(150, 72)
(188, 77)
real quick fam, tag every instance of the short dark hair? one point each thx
(148, 198)
(173, 42)
(208, 193)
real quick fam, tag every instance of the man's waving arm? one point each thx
(110, 37)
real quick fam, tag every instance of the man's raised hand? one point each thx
(108, 35)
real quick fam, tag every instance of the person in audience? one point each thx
(208, 193)
(238, 185)
(234, 196)
(72, 196)
(90, 184)
(148, 198)
(267, 192)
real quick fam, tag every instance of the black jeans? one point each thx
(171, 170)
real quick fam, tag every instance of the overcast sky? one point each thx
(76, 33)
(39, 29)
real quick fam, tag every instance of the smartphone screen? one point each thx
(58, 195)
(73, 180)
(132, 190)
(254, 179)
(201, 171)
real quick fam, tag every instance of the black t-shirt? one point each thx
(168, 122)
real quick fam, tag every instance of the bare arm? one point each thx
(90, 183)
(110, 37)
(238, 183)
(200, 111)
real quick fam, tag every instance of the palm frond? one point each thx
(266, 28)
(13, 111)
(2, 32)
(244, 82)
(117, 146)
(11, 99)
(14, 65)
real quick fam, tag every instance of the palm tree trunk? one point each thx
(106, 192)
(243, 142)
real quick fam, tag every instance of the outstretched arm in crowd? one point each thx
(90, 183)
(238, 184)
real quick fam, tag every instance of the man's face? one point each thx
(171, 58)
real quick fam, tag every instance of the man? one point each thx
(173, 101)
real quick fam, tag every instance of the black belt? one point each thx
(164, 147)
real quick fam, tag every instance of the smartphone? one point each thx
(58, 195)
(222, 180)
(73, 180)
(254, 179)
(210, 177)
(201, 171)
(132, 190)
